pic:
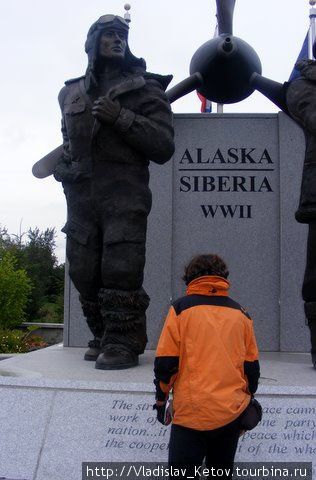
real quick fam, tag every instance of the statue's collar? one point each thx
(307, 69)
(128, 84)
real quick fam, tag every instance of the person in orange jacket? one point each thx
(207, 354)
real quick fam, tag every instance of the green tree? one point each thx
(34, 252)
(13, 244)
(39, 260)
(15, 287)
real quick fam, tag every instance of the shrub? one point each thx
(17, 341)
(15, 287)
(52, 312)
(34, 342)
(11, 341)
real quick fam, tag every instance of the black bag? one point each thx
(250, 418)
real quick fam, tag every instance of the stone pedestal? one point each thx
(232, 188)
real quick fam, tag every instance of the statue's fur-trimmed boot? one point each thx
(116, 356)
(124, 336)
(314, 359)
(94, 349)
(91, 311)
(310, 312)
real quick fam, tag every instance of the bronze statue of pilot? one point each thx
(301, 104)
(115, 119)
(297, 99)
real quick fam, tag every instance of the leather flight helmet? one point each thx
(91, 46)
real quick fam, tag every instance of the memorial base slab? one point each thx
(58, 411)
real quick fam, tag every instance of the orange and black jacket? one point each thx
(207, 353)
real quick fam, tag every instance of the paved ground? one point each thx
(66, 363)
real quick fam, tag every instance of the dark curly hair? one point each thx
(202, 265)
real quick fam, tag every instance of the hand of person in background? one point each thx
(164, 412)
(168, 413)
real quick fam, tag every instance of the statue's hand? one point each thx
(106, 110)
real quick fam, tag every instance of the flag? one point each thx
(303, 54)
(206, 105)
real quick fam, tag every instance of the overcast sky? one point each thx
(42, 45)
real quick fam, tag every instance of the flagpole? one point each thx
(312, 28)
(219, 106)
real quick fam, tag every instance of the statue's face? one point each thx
(112, 44)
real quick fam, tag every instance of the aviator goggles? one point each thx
(113, 21)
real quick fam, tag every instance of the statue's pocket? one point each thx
(74, 108)
(127, 229)
(76, 124)
(306, 212)
(76, 232)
